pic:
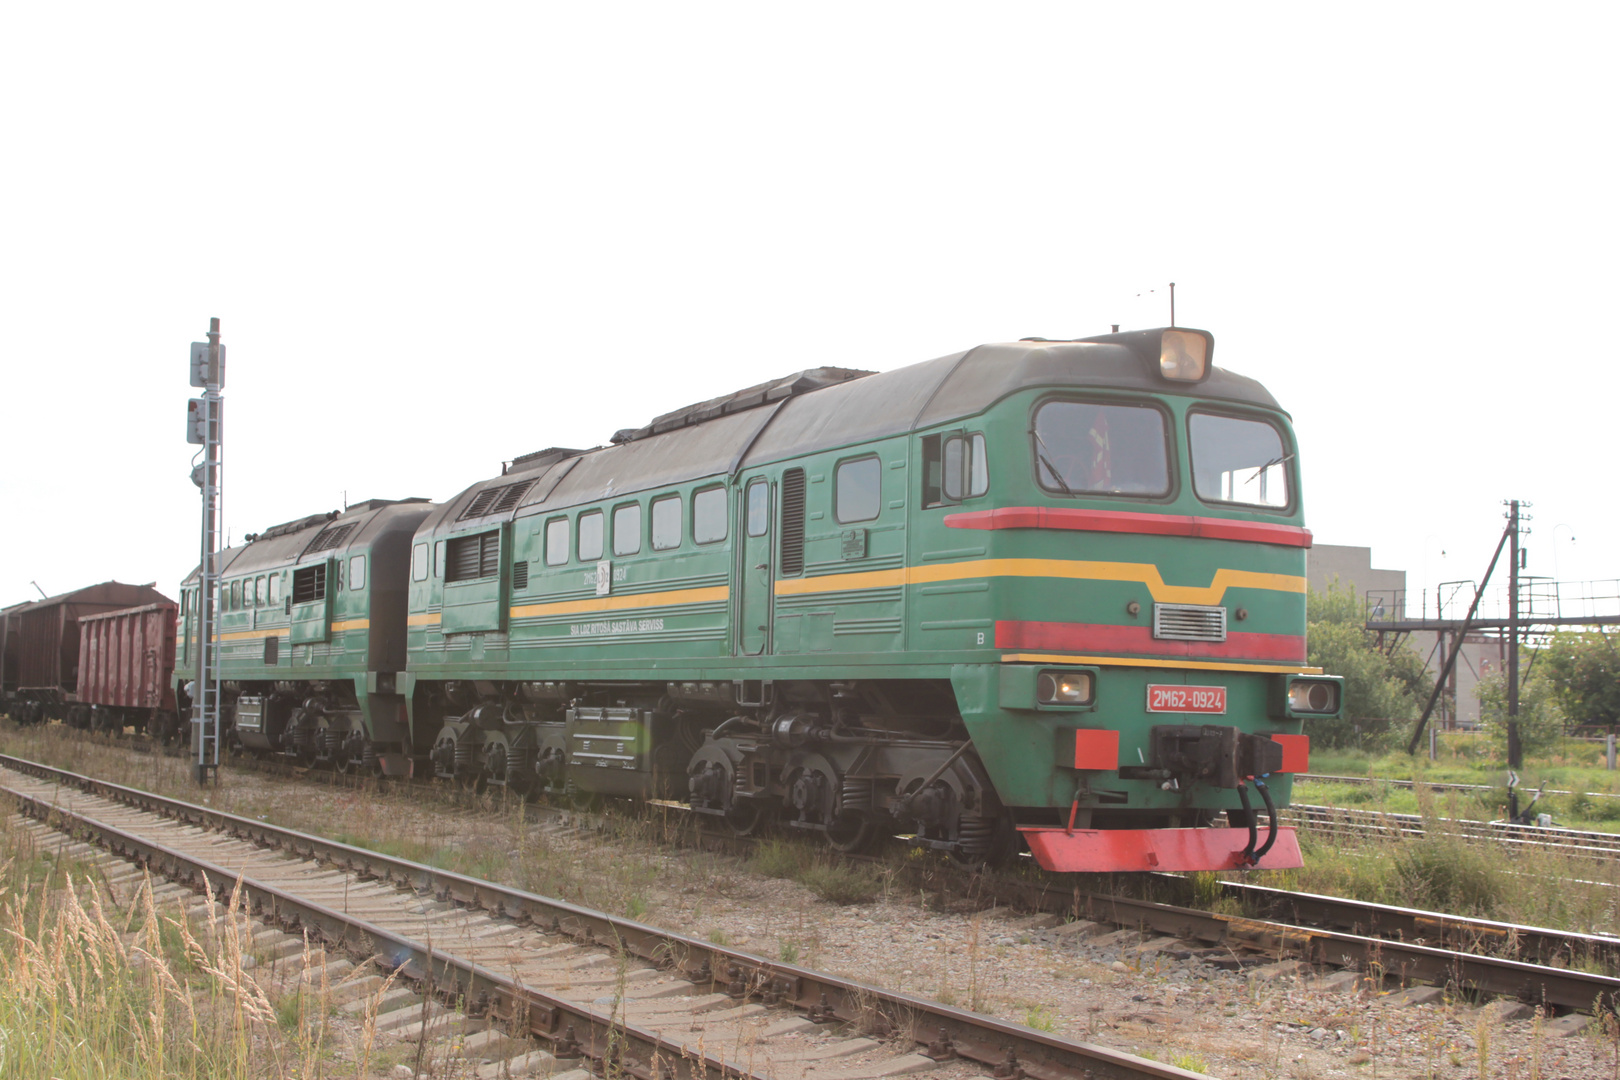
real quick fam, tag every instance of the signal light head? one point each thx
(1313, 696)
(1064, 688)
(1183, 355)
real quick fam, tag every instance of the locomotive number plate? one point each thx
(1186, 699)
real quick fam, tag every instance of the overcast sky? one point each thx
(442, 236)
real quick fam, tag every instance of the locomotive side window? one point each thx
(857, 494)
(419, 563)
(759, 508)
(666, 523)
(1101, 449)
(236, 595)
(967, 467)
(275, 589)
(590, 536)
(627, 529)
(955, 467)
(1238, 460)
(709, 515)
(261, 596)
(556, 541)
(357, 571)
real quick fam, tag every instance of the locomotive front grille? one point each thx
(1189, 622)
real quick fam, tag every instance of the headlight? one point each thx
(1063, 688)
(1183, 355)
(1309, 696)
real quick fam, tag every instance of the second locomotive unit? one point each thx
(1047, 589)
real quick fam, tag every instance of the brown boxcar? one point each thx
(40, 664)
(125, 661)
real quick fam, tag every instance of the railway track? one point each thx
(1431, 785)
(548, 984)
(1380, 823)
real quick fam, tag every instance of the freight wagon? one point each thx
(40, 643)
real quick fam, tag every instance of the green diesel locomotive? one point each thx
(1048, 589)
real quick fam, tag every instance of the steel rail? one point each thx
(1561, 987)
(947, 1032)
(1575, 842)
(481, 992)
(1546, 945)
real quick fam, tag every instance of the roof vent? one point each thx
(801, 382)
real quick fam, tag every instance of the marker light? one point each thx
(1183, 355)
(1313, 697)
(1063, 688)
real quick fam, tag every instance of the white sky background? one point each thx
(442, 237)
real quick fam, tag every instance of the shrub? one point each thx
(779, 859)
(842, 884)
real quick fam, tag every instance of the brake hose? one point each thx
(1271, 811)
(1248, 815)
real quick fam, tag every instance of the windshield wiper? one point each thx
(1262, 468)
(1040, 457)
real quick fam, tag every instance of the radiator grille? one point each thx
(496, 500)
(1189, 622)
(792, 522)
(520, 574)
(309, 584)
(473, 557)
(330, 537)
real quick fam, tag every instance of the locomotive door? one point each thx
(754, 604)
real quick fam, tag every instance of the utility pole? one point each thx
(204, 428)
(1515, 746)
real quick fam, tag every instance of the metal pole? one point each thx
(1515, 747)
(1456, 648)
(205, 705)
(1610, 749)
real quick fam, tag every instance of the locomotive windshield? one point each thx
(1238, 461)
(1092, 448)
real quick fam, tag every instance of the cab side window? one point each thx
(956, 466)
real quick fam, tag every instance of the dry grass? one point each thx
(90, 989)
(1442, 871)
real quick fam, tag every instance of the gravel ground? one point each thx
(1159, 998)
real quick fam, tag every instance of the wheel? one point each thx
(851, 832)
(986, 842)
(743, 817)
